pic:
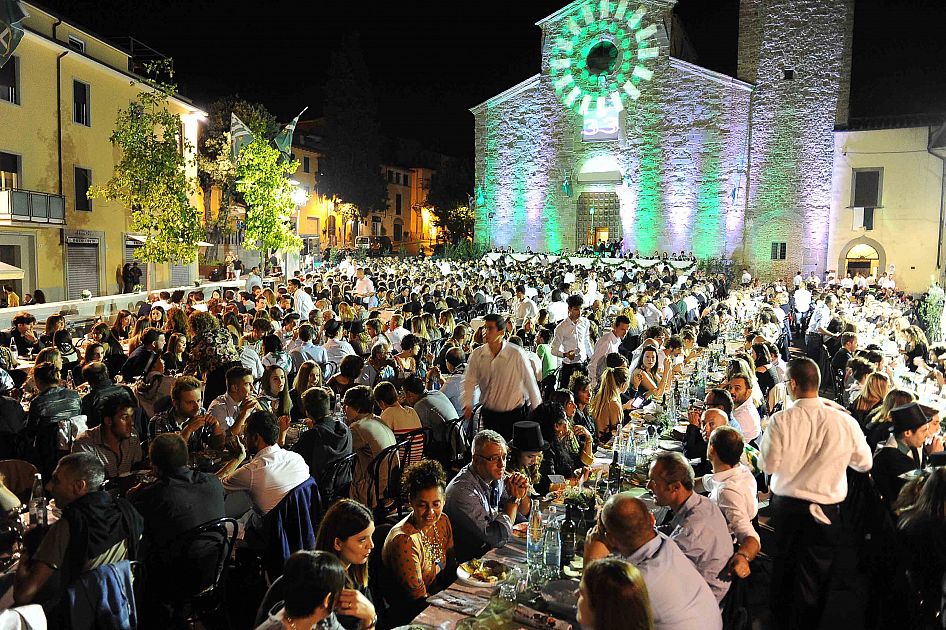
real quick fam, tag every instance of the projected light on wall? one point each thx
(602, 59)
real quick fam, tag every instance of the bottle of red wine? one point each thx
(568, 537)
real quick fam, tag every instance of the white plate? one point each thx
(464, 576)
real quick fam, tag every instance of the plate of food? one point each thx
(521, 530)
(556, 497)
(561, 595)
(482, 573)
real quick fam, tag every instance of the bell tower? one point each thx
(797, 54)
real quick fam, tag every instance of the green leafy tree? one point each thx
(262, 179)
(351, 169)
(151, 177)
(449, 197)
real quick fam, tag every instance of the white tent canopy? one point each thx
(9, 272)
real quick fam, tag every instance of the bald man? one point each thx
(679, 596)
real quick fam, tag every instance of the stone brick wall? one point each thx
(792, 125)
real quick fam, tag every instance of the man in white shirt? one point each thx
(571, 341)
(301, 301)
(453, 388)
(396, 332)
(505, 379)
(606, 344)
(525, 307)
(818, 326)
(807, 450)
(558, 308)
(268, 477)
(305, 350)
(335, 349)
(233, 408)
(733, 488)
(746, 278)
(364, 287)
(745, 413)
(797, 280)
(679, 596)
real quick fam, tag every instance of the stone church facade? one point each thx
(619, 136)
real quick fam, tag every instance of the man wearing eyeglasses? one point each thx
(482, 502)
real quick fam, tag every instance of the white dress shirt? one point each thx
(605, 345)
(268, 477)
(735, 492)
(748, 418)
(526, 308)
(364, 286)
(557, 311)
(570, 336)
(395, 337)
(505, 380)
(302, 303)
(808, 448)
(802, 299)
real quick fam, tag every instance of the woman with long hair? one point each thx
(916, 346)
(274, 391)
(605, 407)
(174, 357)
(448, 322)
(879, 424)
(646, 379)
(157, 317)
(418, 551)
(308, 376)
(922, 529)
(346, 531)
(571, 447)
(613, 596)
(134, 336)
(176, 323)
(114, 354)
(273, 353)
(870, 397)
(54, 323)
(122, 325)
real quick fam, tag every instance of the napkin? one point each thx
(470, 605)
(536, 619)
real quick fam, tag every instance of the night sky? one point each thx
(432, 61)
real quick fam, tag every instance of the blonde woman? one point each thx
(345, 312)
(606, 409)
(878, 422)
(870, 397)
(916, 347)
(613, 596)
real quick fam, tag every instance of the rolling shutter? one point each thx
(83, 262)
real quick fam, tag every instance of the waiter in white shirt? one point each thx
(807, 450)
(301, 301)
(364, 287)
(606, 344)
(525, 307)
(571, 341)
(504, 377)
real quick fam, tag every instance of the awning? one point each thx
(9, 272)
(204, 244)
(135, 237)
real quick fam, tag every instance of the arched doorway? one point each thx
(863, 255)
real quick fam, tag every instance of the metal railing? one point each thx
(31, 206)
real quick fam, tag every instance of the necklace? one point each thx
(433, 547)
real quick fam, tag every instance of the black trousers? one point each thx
(565, 373)
(813, 343)
(806, 561)
(501, 421)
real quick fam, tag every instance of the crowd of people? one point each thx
(485, 385)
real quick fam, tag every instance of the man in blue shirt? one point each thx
(482, 503)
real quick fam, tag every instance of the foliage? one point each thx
(262, 178)
(931, 313)
(582, 498)
(449, 197)
(350, 170)
(714, 266)
(151, 176)
(464, 251)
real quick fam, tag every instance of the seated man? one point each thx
(906, 448)
(271, 472)
(679, 596)
(233, 408)
(326, 439)
(733, 488)
(434, 410)
(481, 503)
(453, 388)
(180, 500)
(369, 436)
(698, 526)
(114, 442)
(199, 429)
(101, 388)
(112, 526)
(146, 358)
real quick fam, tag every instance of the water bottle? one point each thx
(568, 536)
(534, 537)
(38, 502)
(630, 452)
(553, 547)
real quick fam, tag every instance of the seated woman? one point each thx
(571, 447)
(646, 379)
(274, 393)
(348, 373)
(879, 426)
(308, 376)
(273, 353)
(527, 451)
(114, 353)
(613, 596)
(174, 357)
(922, 530)
(606, 408)
(765, 373)
(309, 591)
(418, 552)
(870, 398)
(346, 531)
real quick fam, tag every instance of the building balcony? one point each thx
(31, 207)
